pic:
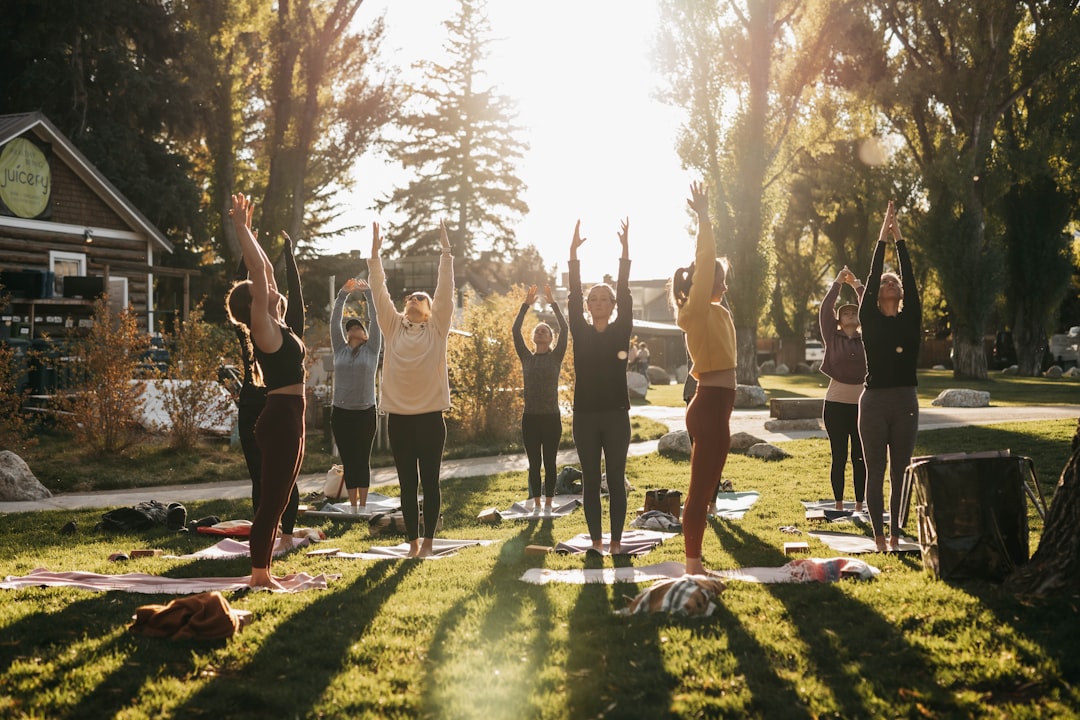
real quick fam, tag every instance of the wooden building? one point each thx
(66, 234)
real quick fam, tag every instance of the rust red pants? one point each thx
(708, 420)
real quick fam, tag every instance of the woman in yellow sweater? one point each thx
(710, 341)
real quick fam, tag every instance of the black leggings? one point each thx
(842, 424)
(251, 406)
(541, 435)
(607, 433)
(280, 432)
(354, 433)
(417, 442)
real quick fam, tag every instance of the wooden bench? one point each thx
(796, 408)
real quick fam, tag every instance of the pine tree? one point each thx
(460, 141)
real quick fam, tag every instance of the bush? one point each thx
(194, 398)
(107, 403)
(485, 373)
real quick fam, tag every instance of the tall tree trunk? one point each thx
(1055, 566)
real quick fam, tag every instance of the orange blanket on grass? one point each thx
(206, 615)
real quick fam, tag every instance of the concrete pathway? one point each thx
(749, 421)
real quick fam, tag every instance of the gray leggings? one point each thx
(888, 423)
(603, 433)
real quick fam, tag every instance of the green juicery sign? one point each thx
(25, 180)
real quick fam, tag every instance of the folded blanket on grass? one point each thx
(376, 503)
(634, 542)
(733, 505)
(858, 544)
(560, 505)
(796, 571)
(154, 584)
(441, 548)
(206, 616)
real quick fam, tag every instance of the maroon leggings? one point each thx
(708, 418)
(280, 434)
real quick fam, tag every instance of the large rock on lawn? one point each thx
(16, 480)
(962, 397)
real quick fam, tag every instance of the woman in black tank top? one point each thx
(257, 307)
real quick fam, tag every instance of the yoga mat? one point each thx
(848, 514)
(634, 542)
(797, 571)
(561, 505)
(605, 576)
(155, 584)
(441, 548)
(858, 544)
(733, 505)
(376, 503)
(232, 548)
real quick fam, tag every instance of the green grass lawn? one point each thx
(1003, 389)
(463, 637)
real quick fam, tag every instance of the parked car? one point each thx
(815, 351)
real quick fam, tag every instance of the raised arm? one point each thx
(338, 339)
(877, 263)
(826, 313)
(560, 344)
(294, 310)
(575, 303)
(624, 301)
(912, 301)
(519, 341)
(387, 313)
(264, 331)
(442, 304)
(374, 343)
(704, 252)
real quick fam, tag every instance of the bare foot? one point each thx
(426, 548)
(414, 548)
(711, 510)
(615, 548)
(284, 542)
(879, 540)
(694, 566)
(598, 546)
(894, 544)
(547, 507)
(261, 578)
(839, 504)
(858, 507)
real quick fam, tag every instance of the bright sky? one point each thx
(600, 148)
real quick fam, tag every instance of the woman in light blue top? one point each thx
(353, 417)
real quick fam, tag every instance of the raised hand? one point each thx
(444, 239)
(886, 224)
(577, 241)
(376, 239)
(351, 285)
(241, 211)
(530, 295)
(699, 199)
(548, 296)
(894, 226)
(624, 238)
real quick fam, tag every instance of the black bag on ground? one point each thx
(144, 515)
(972, 513)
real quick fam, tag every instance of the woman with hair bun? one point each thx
(697, 294)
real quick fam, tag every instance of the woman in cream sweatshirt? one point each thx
(415, 387)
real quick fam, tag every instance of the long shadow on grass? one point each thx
(513, 608)
(847, 643)
(615, 667)
(309, 647)
(51, 637)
